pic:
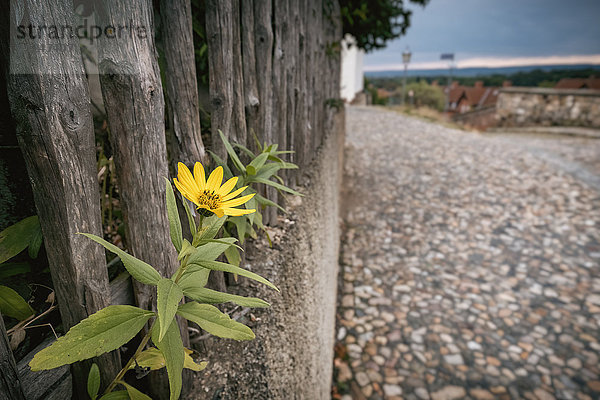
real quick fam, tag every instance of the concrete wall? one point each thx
(352, 79)
(547, 107)
(292, 355)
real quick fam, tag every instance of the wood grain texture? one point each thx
(225, 73)
(133, 97)
(50, 103)
(183, 136)
(10, 385)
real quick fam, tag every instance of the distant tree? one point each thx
(373, 23)
(426, 95)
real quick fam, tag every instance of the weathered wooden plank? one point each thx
(225, 73)
(251, 95)
(121, 290)
(134, 102)
(239, 133)
(292, 48)
(50, 103)
(301, 110)
(279, 89)
(263, 48)
(40, 385)
(10, 385)
(183, 138)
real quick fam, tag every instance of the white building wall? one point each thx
(352, 80)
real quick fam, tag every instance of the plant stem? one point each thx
(126, 367)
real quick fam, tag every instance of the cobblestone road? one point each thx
(470, 264)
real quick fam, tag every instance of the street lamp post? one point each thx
(405, 59)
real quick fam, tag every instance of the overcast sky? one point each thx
(497, 33)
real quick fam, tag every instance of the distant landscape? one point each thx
(543, 76)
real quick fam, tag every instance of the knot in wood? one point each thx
(71, 117)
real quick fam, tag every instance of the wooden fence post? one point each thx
(134, 102)
(183, 138)
(225, 73)
(50, 103)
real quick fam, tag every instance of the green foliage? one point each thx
(375, 22)
(209, 296)
(220, 266)
(93, 383)
(173, 352)
(263, 169)
(138, 269)
(427, 95)
(101, 332)
(174, 222)
(536, 77)
(169, 294)
(17, 237)
(13, 305)
(133, 393)
(114, 326)
(153, 359)
(214, 321)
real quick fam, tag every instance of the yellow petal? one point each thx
(199, 176)
(185, 177)
(236, 212)
(214, 180)
(233, 194)
(185, 192)
(237, 202)
(219, 212)
(227, 186)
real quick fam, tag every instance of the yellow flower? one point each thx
(209, 194)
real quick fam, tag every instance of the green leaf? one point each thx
(210, 251)
(268, 171)
(227, 174)
(241, 224)
(173, 352)
(11, 269)
(118, 395)
(186, 250)
(219, 266)
(214, 321)
(196, 278)
(222, 241)
(135, 394)
(209, 296)
(17, 237)
(101, 332)
(277, 186)
(169, 294)
(251, 205)
(246, 150)
(233, 256)
(266, 202)
(191, 222)
(13, 305)
(234, 158)
(138, 269)
(36, 242)
(258, 162)
(93, 382)
(152, 358)
(211, 227)
(174, 222)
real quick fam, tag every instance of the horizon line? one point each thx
(491, 62)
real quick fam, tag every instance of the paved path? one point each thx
(470, 264)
